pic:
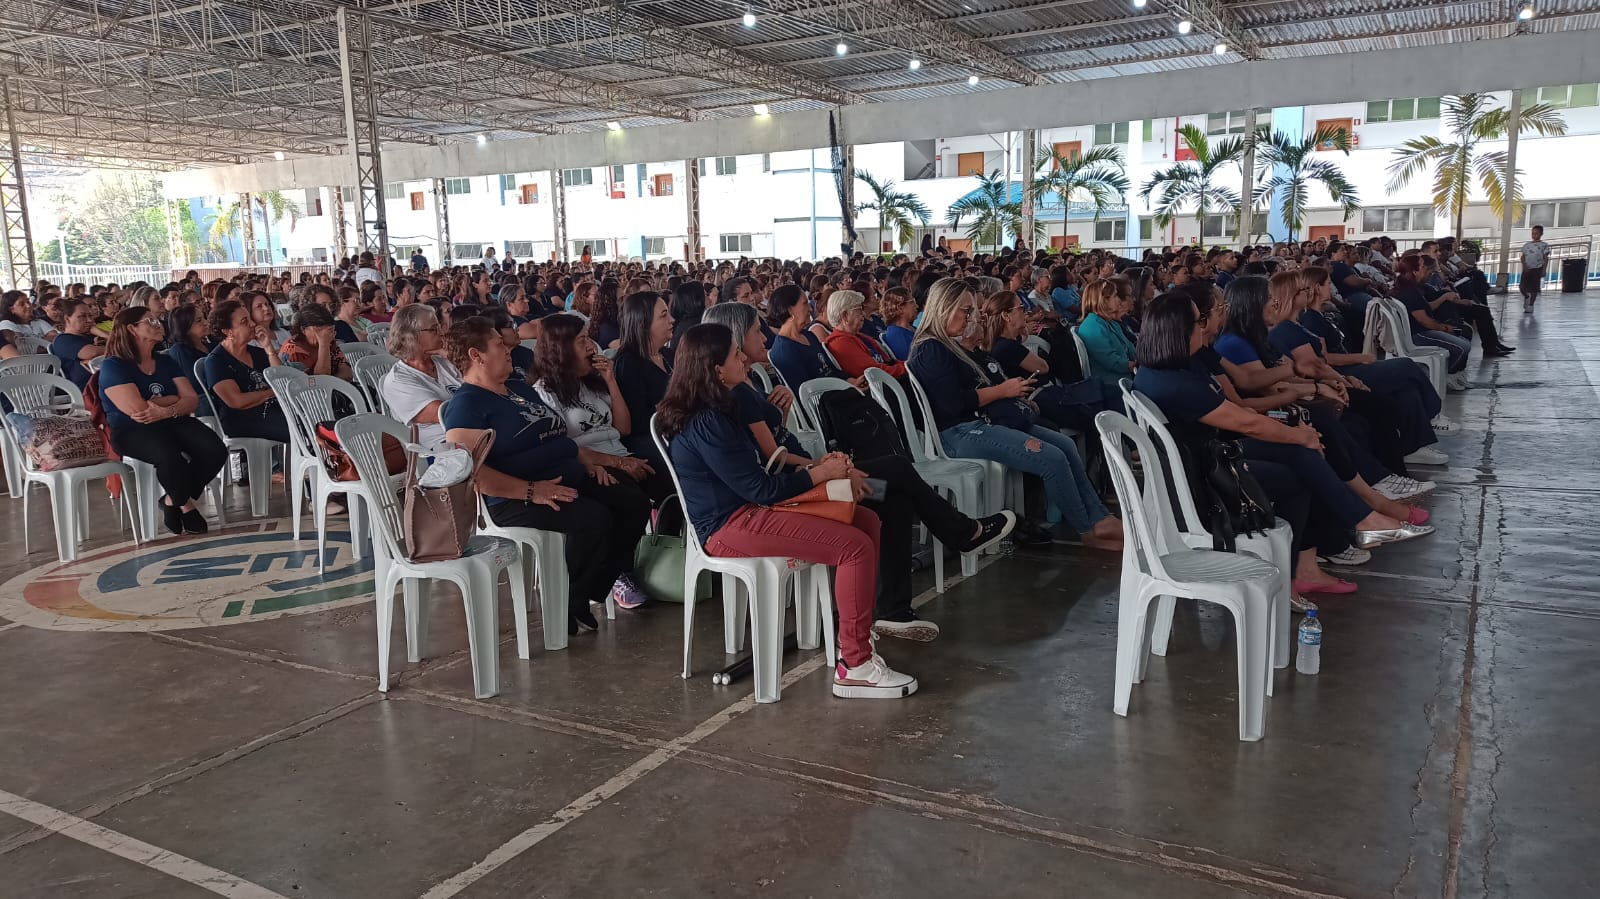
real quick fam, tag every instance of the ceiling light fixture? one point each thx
(841, 48)
(749, 20)
(1526, 12)
(972, 80)
(1220, 49)
(761, 109)
(483, 139)
(614, 126)
(278, 155)
(914, 64)
(1185, 26)
(1139, 4)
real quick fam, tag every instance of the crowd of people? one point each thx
(1263, 344)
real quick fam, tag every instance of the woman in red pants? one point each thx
(729, 496)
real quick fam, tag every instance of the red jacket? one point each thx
(855, 354)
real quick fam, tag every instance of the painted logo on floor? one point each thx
(251, 572)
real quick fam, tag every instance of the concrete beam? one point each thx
(1571, 57)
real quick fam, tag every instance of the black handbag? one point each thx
(1227, 497)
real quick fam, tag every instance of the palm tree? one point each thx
(896, 208)
(992, 210)
(274, 206)
(1098, 174)
(1472, 119)
(1194, 182)
(222, 228)
(1295, 164)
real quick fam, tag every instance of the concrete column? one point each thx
(1247, 192)
(341, 242)
(558, 212)
(1030, 143)
(1130, 156)
(1291, 121)
(1503, 280)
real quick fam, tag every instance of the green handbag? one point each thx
(659, 560)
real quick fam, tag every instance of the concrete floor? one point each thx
(182, 725)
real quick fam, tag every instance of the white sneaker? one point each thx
(1355, 555)
(1398, 488)
(1427, 456)
(1445, 423)
(872, 679)
(1457, 382)
(916, 629)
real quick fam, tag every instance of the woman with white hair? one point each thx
(981, 414)
(424, 378)
(854, 350)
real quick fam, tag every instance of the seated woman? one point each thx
(348, 325)
(1425, 329)
(641, 368)
(424, 378)
(907, 499)
(246, 406)
(796, 352)
(899, 313)
(149, 406)
(689, 301)
(1110, 350)
(535, 476)
(1244, 350)
(849, 344)
(264, 315)
(1174, 374)
(1002, 326)
(729, 495)
(374, 305)
(189, 341)
(1459, 311)
(981, 417)
(312, 345)
(604, 324)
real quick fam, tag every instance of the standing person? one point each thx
(149, 405)
(1535, 256)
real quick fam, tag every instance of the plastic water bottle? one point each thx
(1309, 659)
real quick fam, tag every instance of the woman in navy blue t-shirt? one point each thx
(149, 406)
(535, 476)
(796, 351)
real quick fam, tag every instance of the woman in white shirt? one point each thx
(424, 378)
(572, 378)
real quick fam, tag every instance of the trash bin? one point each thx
(1574, 275)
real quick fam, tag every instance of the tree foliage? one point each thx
(897, 210)
(121, 222)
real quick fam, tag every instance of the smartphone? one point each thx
(1278, 415)
(877, 489)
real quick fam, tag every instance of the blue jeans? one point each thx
(1457, 347)
(1056, 460)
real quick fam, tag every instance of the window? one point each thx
(319, 254)
(519, 248)
(577, 177)
(1147, 228)
(394, 190)
(616, 174)
(1149, 130)
(417, 203)
(1563, 96)
(508, 182)
(458, 186)
(466, 251)
(349, 194)
(597, 247)
(735, 243)
(655, 246)
(1115, 229)
(1218, 226)
(313, 204)
(727, 165)
(1116, 133)
(1233, 122)
(1381, 221)
(1554, 214)
(1405, 109)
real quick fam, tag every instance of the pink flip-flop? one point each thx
(1417, 515)
(1337, 587)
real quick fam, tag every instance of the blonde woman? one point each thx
(1110, 350)
(980, 414)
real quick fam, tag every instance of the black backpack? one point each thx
(854, 423)
(1226, 495)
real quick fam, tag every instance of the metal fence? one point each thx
(59, 273)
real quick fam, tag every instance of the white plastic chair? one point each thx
(766, 581)
(300, 462)
(93, 365)
(961, 480)
(609, 352)
(378, 336)
(359, 349)
(285, 314)
(476, 574)
(1158, 562)
(763, 377)
(804, 428)
(1396, 322)
(35, 392)
(309, 401)
(1083, 353)
(1275, 546)
(531, 342)
(543, 562)
(257, 450)
(30, 344)
(370, 372)
(33, 363)
(1036, 344)
(1003, 486)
